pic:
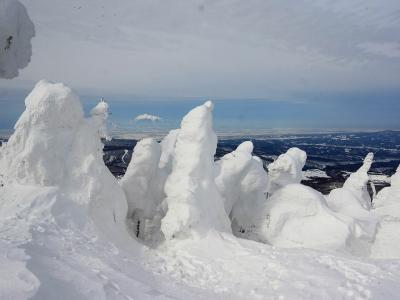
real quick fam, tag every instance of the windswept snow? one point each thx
(16, 32)
(170, 228)
(147, 117)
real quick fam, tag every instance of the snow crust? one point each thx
(16, 32)
(179, 225)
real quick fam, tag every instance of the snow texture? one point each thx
(242, 182)
(16, 32)
(298, 216)
(144, 189)
(65, 221)
(194, 203)
(286, 169)
(36, 153)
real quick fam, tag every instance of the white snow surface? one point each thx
(65, 226)
(16, 32)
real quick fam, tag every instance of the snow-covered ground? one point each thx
(179, 225)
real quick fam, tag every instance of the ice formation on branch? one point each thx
(194, 203)
(298, 216)
(286, 169)
(16, 32)
(37, 151)
(242, 182)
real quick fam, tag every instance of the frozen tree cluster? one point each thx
(174, 190)
(16, 32)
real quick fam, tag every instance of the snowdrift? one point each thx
(179, 225)
(16, 32)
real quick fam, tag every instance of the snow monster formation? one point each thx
(36, 153)
(55, 146)
(16, 32)
(194, 203)
(286, 169)
(298, 216)
(242, 182)
(388, 198)
(144, 189)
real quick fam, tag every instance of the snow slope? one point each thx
(66, 234)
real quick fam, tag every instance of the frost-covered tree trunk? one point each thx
(16, 32)
(194, 203)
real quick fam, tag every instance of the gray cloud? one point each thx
(254, 48)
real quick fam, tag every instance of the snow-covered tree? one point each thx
(389, 197)
(286, 169)
(194, 203)
(242, 182)
(298, 216)
(143, 190)
(16, 32)
(354, 193)
(43, 137)
(354, 202)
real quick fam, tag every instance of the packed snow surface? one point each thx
(16, 32)
(179, 225)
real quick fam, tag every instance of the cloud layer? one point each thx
(219, 48)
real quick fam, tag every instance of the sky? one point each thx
(322, 57)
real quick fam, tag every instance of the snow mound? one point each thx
(16, 32)
(298, 216)
(36, 153)
(194, 203)
(242, 182)
(286, 169)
